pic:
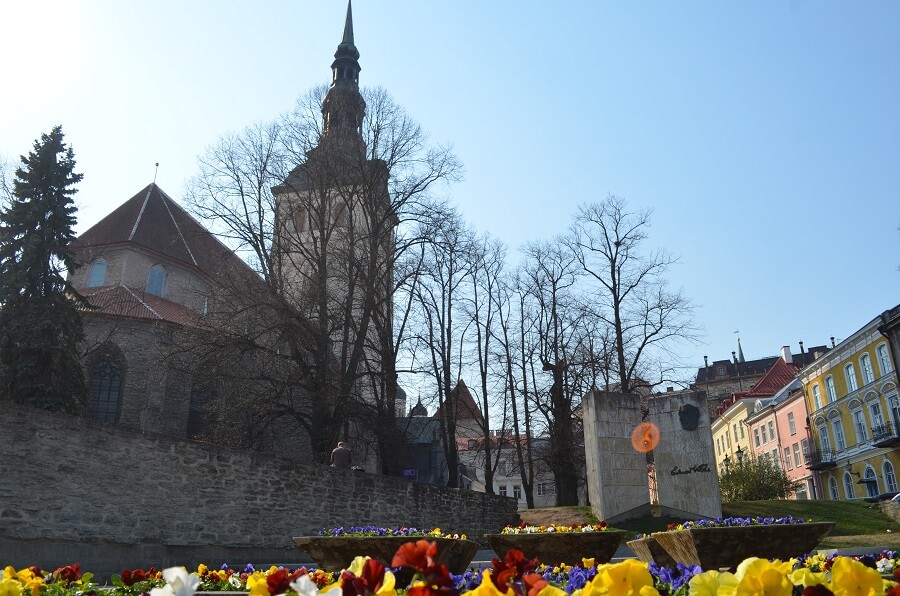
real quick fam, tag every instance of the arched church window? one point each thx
(97, 275)
(104, 391)
(156, 280)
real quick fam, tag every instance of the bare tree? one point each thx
(647, 319)
(320, 213)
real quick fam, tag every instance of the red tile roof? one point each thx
(465, 406)
(152, 220)
(779, 375)
(134, 304)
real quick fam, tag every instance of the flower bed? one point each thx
(724, 543)
(814, 575)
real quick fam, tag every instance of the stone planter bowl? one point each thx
(649, 550)
(559, 547)
(334, 553)
(717, 548)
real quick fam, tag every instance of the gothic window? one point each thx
(850, 373)
(200, 411)
(104, 391)
(865, 364)
(884, 359)
(156, 280)
(848, 485)
(97, 276)
(890, 479)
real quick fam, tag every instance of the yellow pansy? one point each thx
(201, 569)
(713, 583)
(759, 577)
(9, 572)
(807, 578)
(487, 587)
(10, 587)
(852, 578)
(588, 563)
(627, 578)
(34, 584)
(257, 584)
(271, 570)
(551, 590)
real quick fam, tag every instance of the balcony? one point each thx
(885, 435)
(820, 460)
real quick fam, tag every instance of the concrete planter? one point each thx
(717, 548)
(334, 553)
(649, 550)
(559, 547)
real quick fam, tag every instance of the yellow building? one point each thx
(730, 437)
(851, 395)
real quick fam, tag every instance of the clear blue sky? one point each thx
(765, 135)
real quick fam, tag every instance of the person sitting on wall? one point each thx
(340, 457)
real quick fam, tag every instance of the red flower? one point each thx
(894, 591)
(68, 574)
(417, 555)
(129, 578)
(818, 590)
(535, 582)
(37, 571)
(513, 566)
(897, 574)
(602, 524)
(371, 579)
(280, 581)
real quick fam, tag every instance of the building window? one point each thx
(756, 436)
(829, 389)
(824, 440)
(772, 430)
(804, 448)
(859, 423)
(871, 482)
(877, 418)
(787, 458)
(817, 397)
(775, 459)
(517, 492)
(97, 276)
(792, 426)
(850, 373)
(890, 479)
(895, 408)
(734, 430)
(156, 280)
(832, 488)
(798, 461)
(839, 443)
(848, 486)
(503, 491)
(104, 390)
(865, 364)
(884, 359)
(765, 438)
(541, 489)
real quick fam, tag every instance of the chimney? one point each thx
(786, 354)
(832, 341)
(801, 348)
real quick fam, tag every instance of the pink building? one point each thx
(793, 439)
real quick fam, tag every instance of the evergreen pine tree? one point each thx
(40, 326)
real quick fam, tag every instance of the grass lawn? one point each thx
(857, 523)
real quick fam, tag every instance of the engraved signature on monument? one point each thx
(676, 471)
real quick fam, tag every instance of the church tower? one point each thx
(334, 238)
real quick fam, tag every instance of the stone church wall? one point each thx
(109, 498)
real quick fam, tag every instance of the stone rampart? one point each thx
(109, 498)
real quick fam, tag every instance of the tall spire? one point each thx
(348, 24)
(740, 351)
(344, 108)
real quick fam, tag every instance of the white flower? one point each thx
(305, 586)
(885, 565)
(234, 580)
(178, 583)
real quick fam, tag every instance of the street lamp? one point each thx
(727, 462)
(740, 455)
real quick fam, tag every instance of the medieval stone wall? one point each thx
(110, 498)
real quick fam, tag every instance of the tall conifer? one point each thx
(40, 326)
